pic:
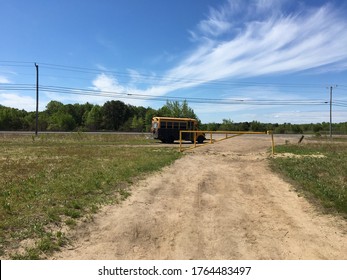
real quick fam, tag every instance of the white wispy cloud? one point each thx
(258, 103)
(277, 44)
(105, 82)
(216, 23)
(252, 38)
(107, 87)
(245, 39)
(15, 100)
(4, 80)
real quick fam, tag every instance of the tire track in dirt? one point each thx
(218, 202)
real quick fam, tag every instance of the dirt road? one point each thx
(218, 202)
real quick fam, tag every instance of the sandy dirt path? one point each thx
(218, 202)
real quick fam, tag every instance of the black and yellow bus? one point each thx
(168, 129)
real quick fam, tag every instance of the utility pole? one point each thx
(331, 111)
(37, 100)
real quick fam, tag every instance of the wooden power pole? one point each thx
(37, 100)
(331, 112)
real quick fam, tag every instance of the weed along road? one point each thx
(219, 201)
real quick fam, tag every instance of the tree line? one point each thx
(285, 128)
(115, 115)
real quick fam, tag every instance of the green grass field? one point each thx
(319, 171)
(49, 182)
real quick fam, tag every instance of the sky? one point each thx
(266, 60)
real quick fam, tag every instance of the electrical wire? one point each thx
(167, 78)
(129, 95)
(156, 77)
(177, 80)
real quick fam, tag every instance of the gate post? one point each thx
(195, 133)
(180, 140)
(272, 141)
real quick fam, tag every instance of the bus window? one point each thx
(169, 124)
(163, 124)
(183, 125)
(175, 125)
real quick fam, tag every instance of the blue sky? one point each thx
(265, 60)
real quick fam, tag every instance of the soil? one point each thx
(220, 201)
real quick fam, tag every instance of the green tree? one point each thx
(212, 126)
(116, 113)
(30, 121)
(94, 118)
(317, 128)
(245, 126)
(150, 113)
(227, 125)
(61, 121)
(257, 126)
(12, 119)
(177, 110)
(43, 121)
(54, 107)
(297, 128)
(137, 124)
(78, 111)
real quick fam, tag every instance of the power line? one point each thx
(133, 95)
(161, 78)
(129, 95)
(173, 79)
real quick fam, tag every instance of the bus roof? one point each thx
(173, 119)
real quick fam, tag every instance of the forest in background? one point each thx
(115, 115)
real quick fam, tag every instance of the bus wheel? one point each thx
(170, 139)
(201, 139)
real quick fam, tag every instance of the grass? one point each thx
(48, 183)
(319, 171)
